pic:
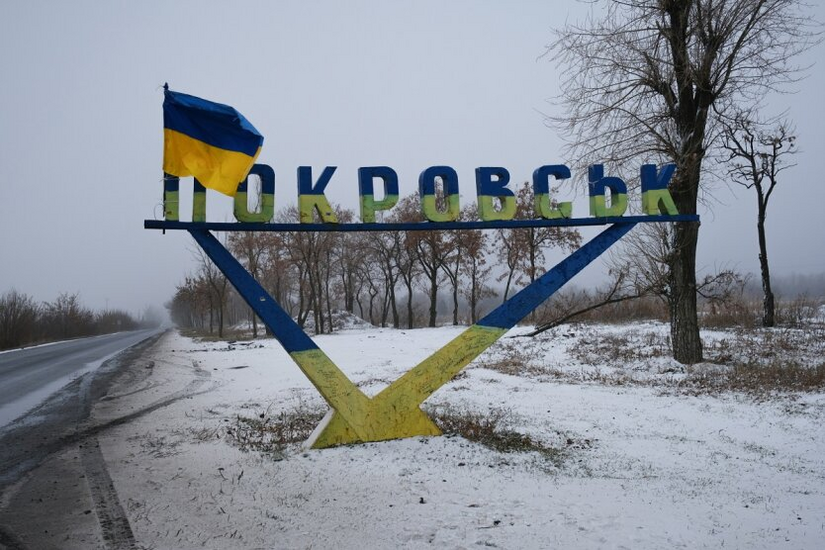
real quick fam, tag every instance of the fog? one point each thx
(349, 84)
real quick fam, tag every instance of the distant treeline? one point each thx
(424, 278)
(24, 321)
(386, 278)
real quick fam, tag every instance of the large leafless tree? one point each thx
(648, 80)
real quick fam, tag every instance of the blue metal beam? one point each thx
(395, 411)
(294, 339)
(416, 226)
(285, 329)
(533, 295)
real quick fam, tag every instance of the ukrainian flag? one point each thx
(210, 141)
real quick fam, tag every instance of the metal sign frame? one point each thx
(395, 412)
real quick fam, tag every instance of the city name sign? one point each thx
(496, 202)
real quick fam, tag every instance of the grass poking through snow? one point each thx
(275, 433)
(491, 430)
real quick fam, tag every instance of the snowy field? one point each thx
(632, 454)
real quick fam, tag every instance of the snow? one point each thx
(644, 465)
(31, 347)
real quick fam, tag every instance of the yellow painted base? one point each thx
(658, 201)
(379, 426)
(395, 412)
(617, 208)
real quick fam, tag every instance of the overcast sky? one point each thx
(404, 84)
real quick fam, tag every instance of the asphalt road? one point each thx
(28, 376)
(57, 441)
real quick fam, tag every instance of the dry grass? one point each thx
(758, 380)
(620, 349)
(491, 430)
(800, 312)
(510, 358)
(768, 346)
(762, 362)
(759, 362)
(158, 446)
(229, 334)
(743, 312)
(564, 302)
(275, 433)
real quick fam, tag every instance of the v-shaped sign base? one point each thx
(395, 412)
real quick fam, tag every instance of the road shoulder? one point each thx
(60, 494)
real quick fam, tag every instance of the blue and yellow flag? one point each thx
(210, 141)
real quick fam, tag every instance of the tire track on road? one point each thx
(114, 525)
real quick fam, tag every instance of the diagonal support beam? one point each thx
(395, 412)
(341, 394)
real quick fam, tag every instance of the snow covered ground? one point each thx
(640, 462)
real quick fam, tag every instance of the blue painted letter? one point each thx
(598, 185)
(426, 189)
(541, 192)
(369, 206)
(311, 197)
(487, 189)
(656, 198)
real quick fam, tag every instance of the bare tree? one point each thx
(757, 156)
(347, 258)
(643, 262)
(523, 249)
(281, 275)
(639, 270)
(307, 251)
(452, 267)
(18, 318)
(369, 288)
(432, 251)
(66, 317)
(475, 247)
(509, 252)
(409, 261)
(408, 272)
(384, 249)
(649, 80)
(23, 321)
(535, 240)
(251, 248)
(572, 305)
(329, 244)
(188, 305)
(114, 320)
(217, 289)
